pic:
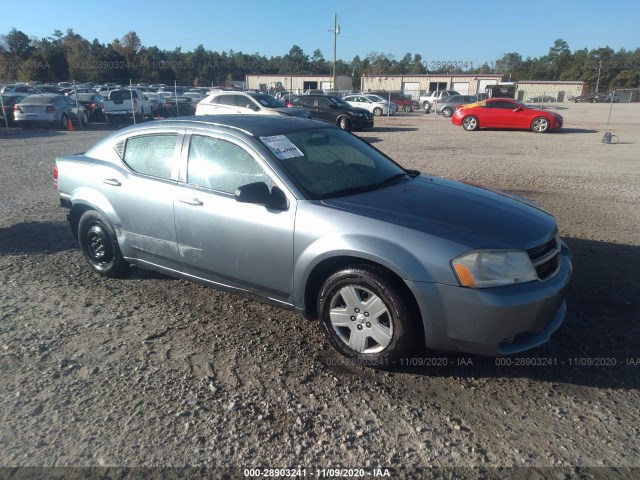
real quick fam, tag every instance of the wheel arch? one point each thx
(328, 266)
(85, 199)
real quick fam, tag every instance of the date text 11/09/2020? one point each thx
(298, 472)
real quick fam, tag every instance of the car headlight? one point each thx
(493, 268)
(356, 114)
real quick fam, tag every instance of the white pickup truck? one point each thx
(119, 105)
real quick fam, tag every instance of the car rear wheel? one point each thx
(85, 118)
(377, 111)
(470, 123)
(540, 125)
(99, 245)
(364, 317)
(64, 121)
(343, 123)
(447, 112)
(407, 108)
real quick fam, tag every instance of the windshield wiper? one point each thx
(392, 179)
(366, 188)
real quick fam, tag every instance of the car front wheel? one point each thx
(343, 123)
(364, 317)
(377, 112)
(407, 108)
(99, 244)
(540, 125)
(470, 123)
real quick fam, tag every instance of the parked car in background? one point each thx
(541, 99)
(195, 96)
(6, 108)
(376, 105)
(246, 103)
(122, 104)
(305, 216)
(428, 101)
(336, 111)
(49, 109)
(505, 113)
(404, 102)
(157, 101)
(447, 106)
(18, 88)
(92, 102)
(178, 106)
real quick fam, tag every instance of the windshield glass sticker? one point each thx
(281, 147)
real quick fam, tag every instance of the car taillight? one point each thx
(50, 108)
(16, 108)
(55, 175)
(102, 104)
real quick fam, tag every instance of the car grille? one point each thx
(546, 258)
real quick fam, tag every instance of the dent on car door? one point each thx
(241, 245)
(142, 192)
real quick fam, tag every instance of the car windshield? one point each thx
(339, 101)
(268, 101)
(37, 99)
(328, 163)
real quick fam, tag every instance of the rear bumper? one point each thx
(493, 321)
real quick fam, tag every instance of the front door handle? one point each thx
(191, 201)
(111, 181)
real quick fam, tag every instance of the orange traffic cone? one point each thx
(70, 125)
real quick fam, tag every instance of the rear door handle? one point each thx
(191, 201)
(111, 181)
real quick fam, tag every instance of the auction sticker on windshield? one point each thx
(281, 147)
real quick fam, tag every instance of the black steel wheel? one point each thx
(99, 244)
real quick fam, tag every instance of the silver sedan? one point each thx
(309, 217)
(49, 109)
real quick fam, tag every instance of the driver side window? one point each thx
(221, 165)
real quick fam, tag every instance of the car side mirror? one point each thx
(255, 108)
(259, 194)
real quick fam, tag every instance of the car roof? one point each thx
(253, 125)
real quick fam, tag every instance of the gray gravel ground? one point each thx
(149, 371)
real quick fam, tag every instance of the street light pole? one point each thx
(598, 81)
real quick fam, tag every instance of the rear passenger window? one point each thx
(151, 155)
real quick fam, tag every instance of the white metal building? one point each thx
(560, 91)
(298, 83)
(416, 85)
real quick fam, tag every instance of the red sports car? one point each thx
(505, 113)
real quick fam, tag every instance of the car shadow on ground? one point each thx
(393, 129)
(36, 237)
(597, 346)
(576, 130)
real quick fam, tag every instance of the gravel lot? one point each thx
(150, 371)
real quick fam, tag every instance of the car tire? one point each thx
(426, 106)
(99, 245)
(377, 111)
(540, 125)
(447, 112)
(344, 124)
(364, 316)
(407, 108)
(64, 121)
(85, 118)
(470, 123)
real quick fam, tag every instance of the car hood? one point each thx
(468, 214)
(293, 111)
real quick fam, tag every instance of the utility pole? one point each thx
(598, 81)
(336, 32)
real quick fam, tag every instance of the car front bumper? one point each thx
(493, 321)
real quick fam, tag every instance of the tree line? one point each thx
(68, 56)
